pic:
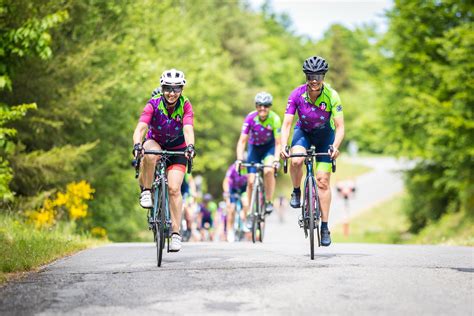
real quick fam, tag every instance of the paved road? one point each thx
(276, 277)
(270, 278)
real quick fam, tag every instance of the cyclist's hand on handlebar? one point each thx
(137, 150)
(333, 151)
(238, 163)
(190, 152)
(285, 153)
(276, 164)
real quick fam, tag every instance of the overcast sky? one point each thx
(313, 17)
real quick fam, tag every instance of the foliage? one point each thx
(70, 206)
(89, 66)
(431, 113)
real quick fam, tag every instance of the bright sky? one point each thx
(313, 17)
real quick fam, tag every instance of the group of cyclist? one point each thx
(167, 120)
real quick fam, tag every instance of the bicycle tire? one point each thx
(254, 214)
(239, 232)
(159, 236)
(164, 214)
(261, 215)
(318, 215)
(310, 203)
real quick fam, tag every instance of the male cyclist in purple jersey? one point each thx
(261, 129)
(320, 123)
(168, 117)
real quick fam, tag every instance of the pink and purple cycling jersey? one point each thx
(317, 115)
(235, 180)
(167, 129)
(261, 132)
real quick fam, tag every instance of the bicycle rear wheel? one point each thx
(310, 205)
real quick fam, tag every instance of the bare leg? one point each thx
(269, 179)
(250, 180)
(148, 164)
(175, 178)
(323, 179)
(296, 166)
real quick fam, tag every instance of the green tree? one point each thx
(430, 116)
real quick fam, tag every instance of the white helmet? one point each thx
(263, 98)
(172, 77)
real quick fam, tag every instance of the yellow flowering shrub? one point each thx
(72, 203)
(99, 232)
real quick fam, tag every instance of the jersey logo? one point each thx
(322, 105)
(339, 108)
(178, 118)
(269, 127)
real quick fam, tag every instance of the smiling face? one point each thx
(263, 111)
(315, 82)
(172, 93)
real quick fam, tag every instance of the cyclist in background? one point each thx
(205, 217)
(261, 129)
(188, 191)
(167, 120)
(233, 184)
(320, 123)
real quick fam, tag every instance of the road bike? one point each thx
(257, 201)
(159, 219)
(239, 228)
(311, 208)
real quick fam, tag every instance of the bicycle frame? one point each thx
(159, 217)
(310, 209)
(238, 223)
(257, 201)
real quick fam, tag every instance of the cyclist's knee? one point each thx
(267, 171)
(323, 183)
(174, 190)
(297, 162)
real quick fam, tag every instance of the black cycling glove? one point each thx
(136, 148)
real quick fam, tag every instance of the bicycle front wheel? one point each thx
(159, 228)
(254, 204)
(310, 207)
(261, 214)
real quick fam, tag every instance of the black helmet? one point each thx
(315, 65)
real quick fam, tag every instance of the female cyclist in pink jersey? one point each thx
(167, 120)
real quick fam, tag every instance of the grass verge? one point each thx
(387, 223)
(24, 248)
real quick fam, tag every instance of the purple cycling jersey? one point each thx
(261, 132)
(165, 128)
(317, 115)
(235, 181)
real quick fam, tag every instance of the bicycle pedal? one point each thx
(300, 223)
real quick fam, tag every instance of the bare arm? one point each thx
(339, 122)
(241, 146)
(225, 185)
(188, 131)
(277, 148)
(139, 132)
(285, 130)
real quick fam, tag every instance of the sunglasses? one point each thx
(175, 89)
(266, 105)
(317, 77)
